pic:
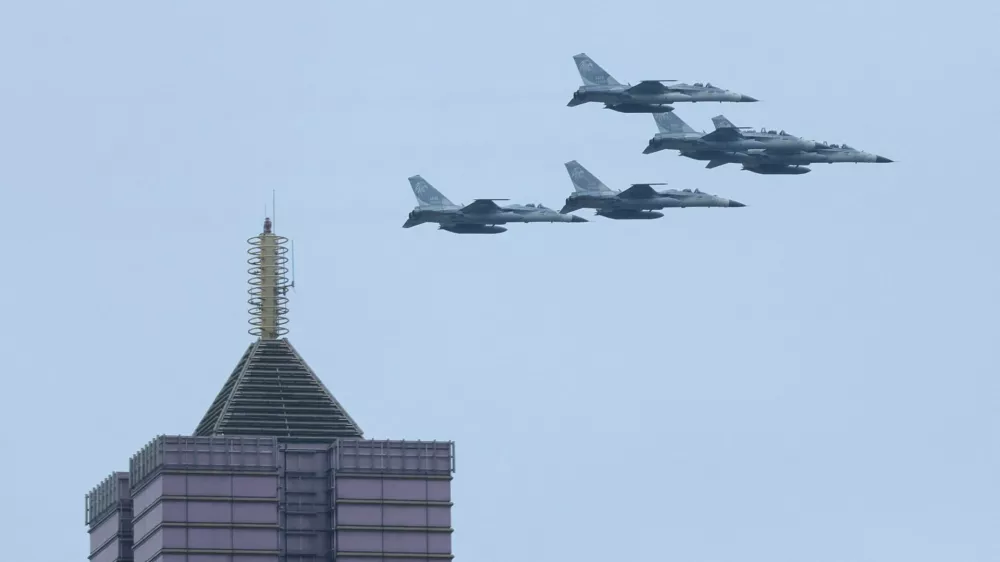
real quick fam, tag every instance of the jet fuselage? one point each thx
(614, 95)
(769, 163)
(688, 144)
(612, 201)
(667, 199)
(456, 219)
(820, 156)
(757, 165)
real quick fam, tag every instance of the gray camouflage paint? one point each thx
(760, 151)
(482, 216)
(636, 202)
(675, 134)
(648, 96)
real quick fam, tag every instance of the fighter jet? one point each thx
(675, 134)
(640, 201)
(762, 162)
(482, 216)
(779, 156)
(648, 96)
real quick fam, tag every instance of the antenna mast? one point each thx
(268, 284)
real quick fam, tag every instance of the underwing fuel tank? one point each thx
(630, 215)
(778, 170)
(639, 108)
(473, 229)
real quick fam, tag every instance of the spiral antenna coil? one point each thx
(268, 284)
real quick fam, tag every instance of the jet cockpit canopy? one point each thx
(538, 206)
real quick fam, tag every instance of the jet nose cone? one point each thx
(733, 203)
(578, 219)
(882, 160)
(649, 149)
(744, 98)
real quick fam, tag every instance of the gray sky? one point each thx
(810, 378)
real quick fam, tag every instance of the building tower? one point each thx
(276, 470)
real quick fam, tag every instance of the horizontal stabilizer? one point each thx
(482, 206)
(640, 191)
(650, 87)
(723, 135)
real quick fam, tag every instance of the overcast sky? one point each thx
(811, 378)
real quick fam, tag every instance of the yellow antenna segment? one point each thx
(268, 284)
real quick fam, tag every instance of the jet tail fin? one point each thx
(426, 195)
(583, 180)
(721, 122)
(591, 73)
(670, 123)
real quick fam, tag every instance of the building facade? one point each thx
(258, 499)
(277, 470)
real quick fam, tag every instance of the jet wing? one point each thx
(716, 163)
(482, 207)
(640, 191)
(723, 135)
(649, 87)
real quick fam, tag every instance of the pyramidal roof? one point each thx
(273, 392)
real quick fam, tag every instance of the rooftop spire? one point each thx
(272, 391)
(268, 284)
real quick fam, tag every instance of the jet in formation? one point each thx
(639, 201)
(482, 216)
(648, 96)
(759, 151)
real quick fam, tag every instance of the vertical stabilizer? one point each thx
(671, 124)
(591, 73)
(721, 122)
(427, 196)
(583, 180)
